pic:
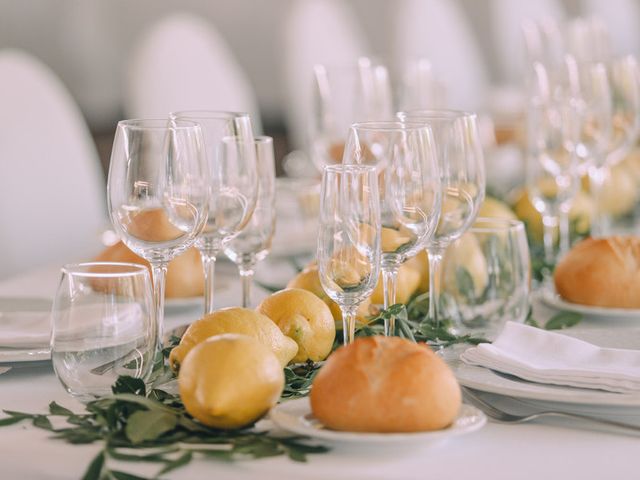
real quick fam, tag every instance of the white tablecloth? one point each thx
(542, 450)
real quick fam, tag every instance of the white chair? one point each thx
(507, 17)
(183, 63)
(315, 32)
(621, 17)
(438, 30)
(52, 189)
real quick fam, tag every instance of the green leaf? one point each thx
(55, 409)
(563, 320)
(146, 425)
(42, 421)
(11, 420)
(126, 384)
(94, 472)
(182, 460)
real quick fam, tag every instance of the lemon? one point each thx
(420, 263)
(235, 320)
(230, 381)
(309, 279)
(494, 208)
(619, 193)
(466, 253)
(305, 318)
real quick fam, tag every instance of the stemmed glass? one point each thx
(158, 194)
(231, 157)
(343, 95)
(253, 243)
(349, 239)
(410, 191)
(462, 177)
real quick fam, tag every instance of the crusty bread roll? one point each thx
(185, 277)
(603, 272)
(385, 384)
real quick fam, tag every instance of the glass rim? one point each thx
(76, 269)
(435, 114)
(208, 114)
(158, 124)
(499, 223)
(350, 168)
(389, 126)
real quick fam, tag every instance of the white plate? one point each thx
(554, 300)
(486, 380)
(295, 416)
(24, 304)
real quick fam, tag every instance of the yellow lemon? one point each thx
(235, 320)
(305, 318)
(494, 208)
(420, 263)
(230, 381)
(309, 279)
(406, 285)
(391, 240)
(620, 192)
(466, 253)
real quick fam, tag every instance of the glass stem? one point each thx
(600, 224)
(158, 274)
(435, 281)
(389, 284)
(209, 266)
(348, 323)
(565, 229)
(246, 274)
(549, 225)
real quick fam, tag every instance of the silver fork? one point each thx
(504, 417)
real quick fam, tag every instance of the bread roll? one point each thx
(185, 277)
(603, 272)
(385, 384)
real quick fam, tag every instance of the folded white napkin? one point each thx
(547, 357)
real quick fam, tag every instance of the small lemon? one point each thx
(235, 320)
(230, 381)
(305, 318)
(466, 253)
(420, 263)
(494, 208)
(407, 283)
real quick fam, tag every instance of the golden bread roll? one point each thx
(385, 384)
(603, 272)
(185, 277)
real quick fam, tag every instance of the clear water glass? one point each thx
(253, 243)
(486, 277)
(233, 187)
(349, 239)
(103, 326)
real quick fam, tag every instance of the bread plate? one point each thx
(295, 416)
(552, 299)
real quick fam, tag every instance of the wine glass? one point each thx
(253, 243)
(103, 326)
(410, 191)
(462, 177)
(231, 156)
(349, 238)
(157, 192)
(343, 95)
(552, 166)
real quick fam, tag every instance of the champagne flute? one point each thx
(254, 241)
(158, 195)
(410, 191)
(462, 177)
(349, 239)
(231, 156)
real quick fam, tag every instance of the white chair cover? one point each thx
(315, 32)
(507, 17)
(622, 18)
(437, 30)
(183, 63)
(52, 189)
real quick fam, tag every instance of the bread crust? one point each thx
(602, 272)
(385, 384)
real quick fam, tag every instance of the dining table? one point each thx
(550, 448)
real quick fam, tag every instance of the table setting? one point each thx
(388, 316)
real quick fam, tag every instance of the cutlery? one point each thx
(504, 417)
(4, 370)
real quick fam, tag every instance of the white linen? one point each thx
(548, 357)
(24, 329)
